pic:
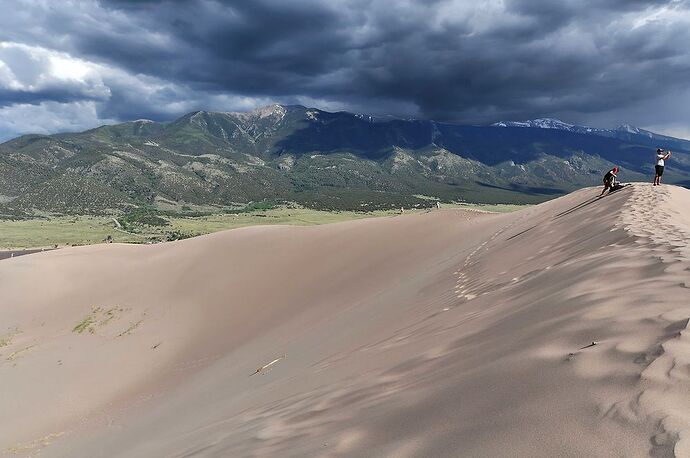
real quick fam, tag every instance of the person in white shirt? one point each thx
(661, 156)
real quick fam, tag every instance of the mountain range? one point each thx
(316, 158)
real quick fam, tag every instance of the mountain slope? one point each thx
(331, 160)
(420, 335)
(623, 132)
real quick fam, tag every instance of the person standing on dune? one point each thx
(661, 156)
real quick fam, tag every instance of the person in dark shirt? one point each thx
(610, 179)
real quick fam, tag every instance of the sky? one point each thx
(72, 65)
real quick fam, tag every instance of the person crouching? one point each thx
(610, 179)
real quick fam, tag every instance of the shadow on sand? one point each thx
(588, 202)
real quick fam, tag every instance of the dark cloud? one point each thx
(607, 61)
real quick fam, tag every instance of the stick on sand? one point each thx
(263, 368)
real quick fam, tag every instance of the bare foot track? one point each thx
(557, 330)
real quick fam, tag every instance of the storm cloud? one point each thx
(597, 62)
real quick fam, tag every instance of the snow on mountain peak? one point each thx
(550, 123)
(541, 123)
(628, 128)
(379, 118)
(275, 111)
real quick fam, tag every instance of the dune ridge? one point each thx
(558, 330)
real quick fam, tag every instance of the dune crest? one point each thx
(558, 330)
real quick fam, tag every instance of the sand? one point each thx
(450, 333)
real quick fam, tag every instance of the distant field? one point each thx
(85, 230)
(493, 208)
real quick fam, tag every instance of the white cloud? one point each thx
(672, 130)
(36, 70)
(48, 118)
(90, 94)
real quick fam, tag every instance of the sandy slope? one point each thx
(445, 334)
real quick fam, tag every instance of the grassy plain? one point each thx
(84, 230)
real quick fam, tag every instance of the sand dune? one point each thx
(451, 333)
